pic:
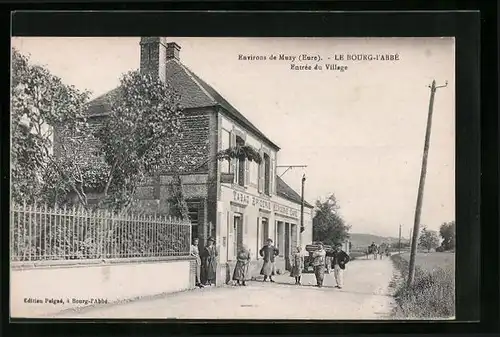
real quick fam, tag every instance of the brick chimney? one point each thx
(153, 56)
(173, 50)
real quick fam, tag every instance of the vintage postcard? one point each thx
(233, 178)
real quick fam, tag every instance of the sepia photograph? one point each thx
(227, 178)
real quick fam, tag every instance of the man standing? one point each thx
(268, 252)
(319, 264)
(340, 259)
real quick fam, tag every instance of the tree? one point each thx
(41, 102)
(328, 225)
(141, 135)
(428, 239)
(447, 232)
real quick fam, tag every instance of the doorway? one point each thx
(238, 233)
(287, 246)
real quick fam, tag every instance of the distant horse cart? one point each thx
(372, 250)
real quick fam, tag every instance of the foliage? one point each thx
(428, 239)
(328, 225)
(140, 135)
(431, 296)
(180, 207)
(447, 232)
(240, 152)
(40, 104)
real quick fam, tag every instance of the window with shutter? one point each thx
(247, 172)
(259, 245)
(230, 238)
(234, 161)
(244, 240)
(272, 178)
(225, 144)
(261, 173)
(241, 164)
(267, 174)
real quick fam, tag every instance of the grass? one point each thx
(432, 294)
(433, 261)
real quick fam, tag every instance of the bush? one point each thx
(432, 294)
(440, 249)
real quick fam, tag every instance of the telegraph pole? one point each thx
(302, 228)
(399, 244)
(418, 209)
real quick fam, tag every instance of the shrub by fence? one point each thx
(42, 233)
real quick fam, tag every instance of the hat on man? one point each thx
(211, 239)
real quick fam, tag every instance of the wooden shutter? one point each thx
(271, 177)
(261, 172)
(258, 237)
(245, 230)
(247, 172)
(233, 161)
(230, 237)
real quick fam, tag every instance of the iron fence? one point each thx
(42, 233)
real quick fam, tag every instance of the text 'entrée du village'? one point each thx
(335, 62)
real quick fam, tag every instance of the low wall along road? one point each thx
(44, 290)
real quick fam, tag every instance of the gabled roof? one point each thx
(285, 191)
(195, 93)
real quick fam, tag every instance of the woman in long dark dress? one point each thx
(210, 262)
(268, 252)
(242, 268)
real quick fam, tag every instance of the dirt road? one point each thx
(365, 295)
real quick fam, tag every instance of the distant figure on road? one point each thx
(195, 251)
(268, 252)
(242, 268)
(297, 265)
(210, 262)
(381, 250)
(373, 249)
(340, 259)
(319, 264)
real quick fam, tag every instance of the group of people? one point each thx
(322, 261)
(378, 251)
(268, 253)
(206, 263)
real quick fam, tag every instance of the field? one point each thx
(432, 294)
(433, 261)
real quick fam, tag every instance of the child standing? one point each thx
(297, 265)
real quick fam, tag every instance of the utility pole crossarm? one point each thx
(288, 167)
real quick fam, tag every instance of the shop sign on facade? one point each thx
(245, 199)
(285, 210)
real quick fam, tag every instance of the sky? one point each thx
(360, 132)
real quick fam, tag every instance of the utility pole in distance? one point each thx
(399, 244)
(418, 209)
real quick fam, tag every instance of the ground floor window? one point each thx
(193, 212)
(280, 241)
(264, 231)
(237, 243)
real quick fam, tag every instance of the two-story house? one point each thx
(255, 204)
